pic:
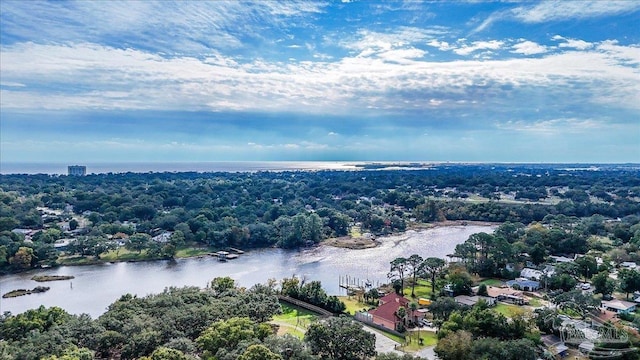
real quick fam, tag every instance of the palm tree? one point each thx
(413, 307)
(402, 314)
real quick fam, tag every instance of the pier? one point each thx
(225, 255)
(354, 284)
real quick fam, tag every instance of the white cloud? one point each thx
(441, 45)
(555, 126)
(559, 10)
(92, 76)
(572, 43)
(478, 45)
(526, 47)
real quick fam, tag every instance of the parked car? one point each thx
(425, 322)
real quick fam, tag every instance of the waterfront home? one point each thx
(387, 313)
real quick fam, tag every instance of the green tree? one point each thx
(73, 353)
(289, 347)
(443, 307)
(164, 353)
(603, 284)
(414, 262)
(399, 266)
(23, 258)
(433, 267)
(259, 352)
(482, 290)
(587, 266)
(455, 346)
(340, 338)
(460, 281)
(138, 242)
(220, 285)
(227, 334)
(629, 281)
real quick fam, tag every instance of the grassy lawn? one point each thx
(190, 252)
(353, 305)
(293, 320)
(411, 342)
(422, 290)
(77, 260)
(492, 282)
(535, 302)
(122, 253)
(509, 310)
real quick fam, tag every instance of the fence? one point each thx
(305, 305)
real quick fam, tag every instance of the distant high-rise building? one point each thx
(77, 170)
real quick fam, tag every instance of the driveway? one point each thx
(383, 343)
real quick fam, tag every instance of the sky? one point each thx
(463, 81)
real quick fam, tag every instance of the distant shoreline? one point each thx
(358, 243)
(94, 168)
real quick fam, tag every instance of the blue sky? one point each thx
(92, 81)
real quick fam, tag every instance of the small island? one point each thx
(22, 292)
(43, 278)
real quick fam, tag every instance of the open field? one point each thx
(509, 310)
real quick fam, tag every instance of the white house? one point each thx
(531, 274)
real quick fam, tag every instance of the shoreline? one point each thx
(345, 242)
(360, 243)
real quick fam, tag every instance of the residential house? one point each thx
(62, 244)
(472, 300)
(386, 314)
(619, 306)
(562, 259)
(531, 274)
(163, 237)
(507, 295)
(524, 284)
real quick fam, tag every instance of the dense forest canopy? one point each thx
(290, 208)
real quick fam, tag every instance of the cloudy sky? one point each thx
(93, 81)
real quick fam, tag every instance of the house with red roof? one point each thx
(386, 314)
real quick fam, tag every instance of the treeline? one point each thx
(221, 322)
(312, 293)
(514, 243)
(288, 209)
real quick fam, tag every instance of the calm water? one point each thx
(97, 286)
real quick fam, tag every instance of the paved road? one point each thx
(427, 353)
(383, 343)
(386, 345)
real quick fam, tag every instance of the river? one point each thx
(96, 286)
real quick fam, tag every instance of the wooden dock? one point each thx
(237, 251)
(224, 255)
